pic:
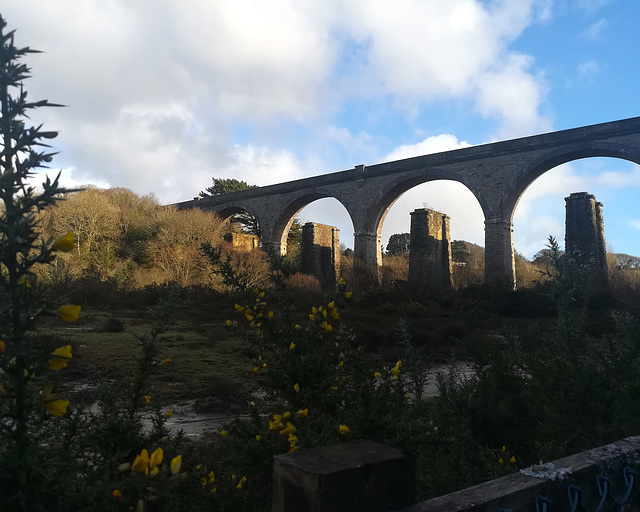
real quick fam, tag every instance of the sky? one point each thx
(164, 95)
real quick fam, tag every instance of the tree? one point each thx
(398, 244)
(460, 252)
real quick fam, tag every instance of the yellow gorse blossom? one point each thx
(343, 429)
(61, 357)
(69, 312)
(377, 375)
(176, 464)
(64, 243)
(166, 361)
(292, 346)
(296, 387)
(141, 462)
(348, 295)
(117, 495)
(2, 346)
(512, 460)
(156, 458)
(58, 407)
(289, 429)
(302, 413)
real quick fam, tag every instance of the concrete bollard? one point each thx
(361, 476)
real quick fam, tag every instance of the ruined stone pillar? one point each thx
(584, 238)
(320, 252)
(429, 250)
(499, 263)
(367, 251)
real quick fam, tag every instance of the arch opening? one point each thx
(466, 225)
(540, 211)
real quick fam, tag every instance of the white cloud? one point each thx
(595, 30)
(635, 223)
(434, 144)
(587, 68)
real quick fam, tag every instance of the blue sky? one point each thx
(163, 95)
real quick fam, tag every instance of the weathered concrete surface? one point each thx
(361, 476)
(518, 491)
(584, 238)
(497, 174)
(429, 251)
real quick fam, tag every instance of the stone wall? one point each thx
(429, 250)
(320, 253)
(242, 242)
(584, 236)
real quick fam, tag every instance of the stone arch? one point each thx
(288, 214)
(541, 165)
(368, 247)
(407, 181)
(230, 209)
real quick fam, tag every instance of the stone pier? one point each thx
(429, 250)
(584, 238)
(320, 253)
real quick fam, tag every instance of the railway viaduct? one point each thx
(497, 174)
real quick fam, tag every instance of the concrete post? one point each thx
(361, 476)
(499, 263)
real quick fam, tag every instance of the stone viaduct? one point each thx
(497, 174)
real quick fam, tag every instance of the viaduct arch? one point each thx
(497, 174)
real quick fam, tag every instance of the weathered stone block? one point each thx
(242, 242)
(429, 250)
(584, 237)
(361, 476)
(320, 253)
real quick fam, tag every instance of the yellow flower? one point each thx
(289, 429)
(312, 317)
(2, 345)
(341, 281)
(176, 464)
(156, 458)
(343, 429)
(61, 355)
(239, 307)
(314, 310)
(327, 326)
(340, 364)
(169, 413)
(334, 388)
(500, 461)
(147, 399)
(141, 462)
(117, 495)
(270, 314)
(69, 312)
(64, 243)
(348, 295)
(228, 323)
(331, 305)
(512, 460)
(224, 433)
(212, 477)
(256, 369)
(504, 448)
(286, 415)
(58, 407)
(296, 387)
(258, 437)
(166, 361)
(324, 313)
(302, 413)
(276, 424)
(292, 346)
(264, 365)
(296, 327)
(377, 375)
